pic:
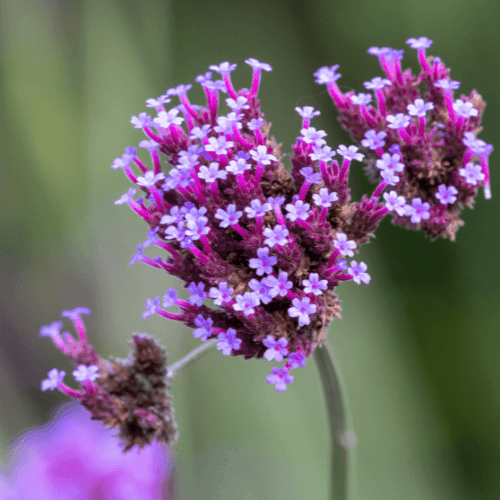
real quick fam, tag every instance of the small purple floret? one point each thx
(395, 203)
(280, 378)
(229, 216)
(197, 293)
(75, 313)
(301, 309)
(400, 120)
(170, 298)
(299, 210)
(257, 209)
(86, 373)
(228, 342)
(344, 246)
(307, 112)
(55, 377)
(204, 329)
(276, 236)
(358, 271)
(472, 173)
(246, 303)
(151, 307)
(446, 194)
(418, 210)
(261, 289)
(314, 284)
(374, 139)
(276, 349)
(324, 198)
(51, 330)
(264, 262)
(278, 286)
(221, 294)
(326, 74)
(297, 360)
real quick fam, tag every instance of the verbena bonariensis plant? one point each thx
(262, 249)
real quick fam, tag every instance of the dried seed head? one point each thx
(141, 408)
(130, 395)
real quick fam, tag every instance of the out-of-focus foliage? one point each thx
(418, 346)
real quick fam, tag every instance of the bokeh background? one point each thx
(419, 347)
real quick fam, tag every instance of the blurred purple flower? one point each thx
(73, 457)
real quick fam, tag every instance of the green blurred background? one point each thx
(419, 346)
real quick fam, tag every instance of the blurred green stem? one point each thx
(336, 405)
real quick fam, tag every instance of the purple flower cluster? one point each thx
(260, 248)
(72, 457)
(422, 144)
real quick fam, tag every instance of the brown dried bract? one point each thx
(133, 396)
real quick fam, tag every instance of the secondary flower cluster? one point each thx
(129, 395)
(260, 249)
(73, 458)
(425, 145)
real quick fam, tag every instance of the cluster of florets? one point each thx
(129, 395)
(259, 248)
(425, 146)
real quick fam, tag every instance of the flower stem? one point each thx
(174, 368)
(342, 440)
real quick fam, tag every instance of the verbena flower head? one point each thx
(260, 249)
(418, 119)
(74, 458)
(129, 395)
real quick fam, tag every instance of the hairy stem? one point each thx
(341, 439)
(174, 368)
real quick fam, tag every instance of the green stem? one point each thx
(342, 440)
(174, 369)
